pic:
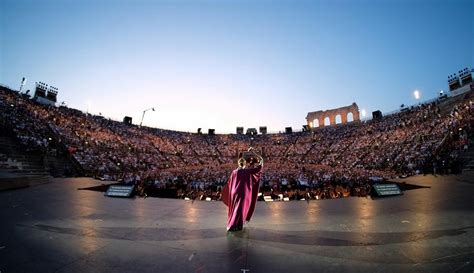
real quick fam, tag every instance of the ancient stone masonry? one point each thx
(347, 114)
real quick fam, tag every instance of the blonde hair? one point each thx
(241, 162)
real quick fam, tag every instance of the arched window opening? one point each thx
(327, 122)
(350, 117)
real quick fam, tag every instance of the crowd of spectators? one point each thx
(328, 162)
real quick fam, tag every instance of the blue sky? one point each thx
(222, 64)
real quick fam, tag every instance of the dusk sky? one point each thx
(222, 64)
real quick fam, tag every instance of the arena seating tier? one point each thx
(421, 139)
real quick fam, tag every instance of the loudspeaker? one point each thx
(127, 120)
(199, 131)
(288, 130)
(377, 114)
(251, 131)
(211, 131)
(239, 130)
(263, 130)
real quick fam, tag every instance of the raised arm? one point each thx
(259, 157)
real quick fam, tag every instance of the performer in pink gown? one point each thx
(240, 192)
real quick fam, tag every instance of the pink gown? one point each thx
(240, 195)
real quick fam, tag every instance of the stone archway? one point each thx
(327, 121)
(350, 117)
(332, 113)
(338, 119)
(315, 123)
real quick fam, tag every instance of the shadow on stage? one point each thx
(307, 237)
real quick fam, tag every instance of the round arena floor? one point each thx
(54, 227)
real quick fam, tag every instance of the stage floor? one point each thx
(56, 228)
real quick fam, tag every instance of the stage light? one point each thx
(363, 113)
(417, 94)
(267, 198)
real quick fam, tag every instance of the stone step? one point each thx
(23, 164)
(21, 155)
(469, 152)
(18, 182)
(36, 172)
(21, 167)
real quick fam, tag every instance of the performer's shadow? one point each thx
(237, 247)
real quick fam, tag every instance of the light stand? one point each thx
(143, 115)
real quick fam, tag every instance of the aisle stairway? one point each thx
(467, 158)
(14, 159)
(20, 168)
(447, 105)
